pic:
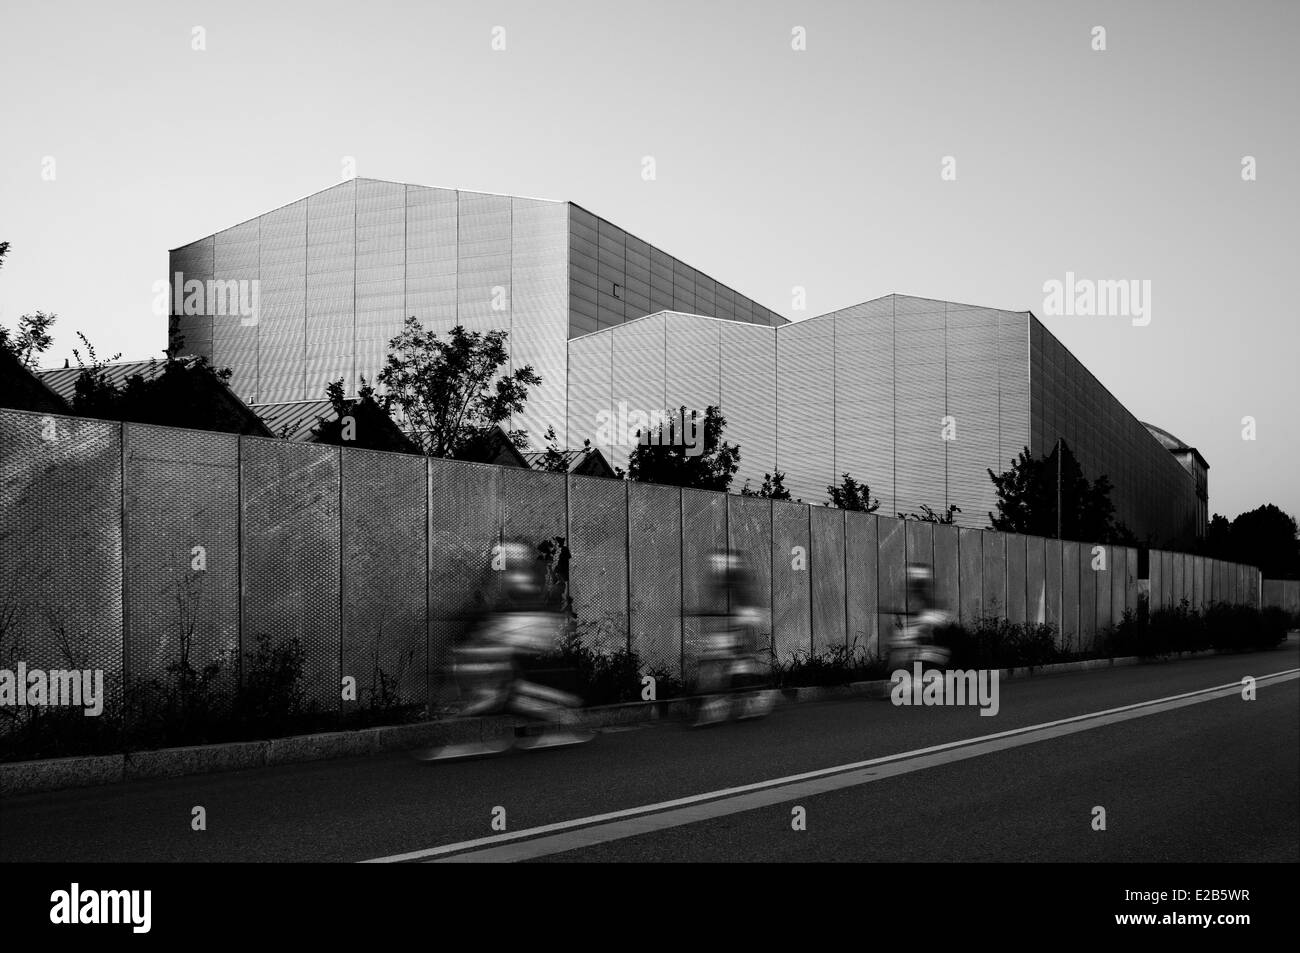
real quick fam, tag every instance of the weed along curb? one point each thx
(31, 777)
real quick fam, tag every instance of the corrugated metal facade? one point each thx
(916, 397)
(1154, 495)
(340, 270)
(615, 277)
(870, 390)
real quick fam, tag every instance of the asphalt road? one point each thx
(1204, 778)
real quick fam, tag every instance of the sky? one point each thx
(128, 129)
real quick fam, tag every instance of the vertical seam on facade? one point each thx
(406, 242)
(306, 265)
(257, 336)
(893, 401)
(352, 369)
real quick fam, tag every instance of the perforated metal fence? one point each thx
(384, 578)
(292, 562)
(181, 560)
(598, 561)
(791, 589)
(61, 550)
(149, 551)
(827, 571)
(655, 573)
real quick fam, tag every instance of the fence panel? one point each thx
(1052, 549)
(1103, 603)
(1180, 579)
(791, 588)
(861, 558)
(1118, 583)
(1036, 579)
(61, 547)
(1170, 581)
(947, 569)
(995, 574)
(829, 622)
(384, 523)
(1017, 553)
(1131, 581)
(181, 534)
(465, 518)
(970, 562)
(704, 533)
(654, 521)
(1070, 556)
(532, 505)
(1154, 582)
(598, 560)
(1088, 585)
(749, 538)
(891, 574)
(1282, 593)
(919, 541)
(289, 502)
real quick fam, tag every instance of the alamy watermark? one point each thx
(654, 428)
(213, 297)
(953, 687)
(77, 906)
(56, 688)
(1124, 298)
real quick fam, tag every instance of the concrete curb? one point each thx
(32, 777)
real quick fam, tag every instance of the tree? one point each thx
(32, 338)
(450, 391)
(93, 394)
(928, 515)
(360, 422)
(1027, 500)
(675, 453)
(851, 495)
(773, 488)
(1218, 537)
(554, 459)
(1263, 537)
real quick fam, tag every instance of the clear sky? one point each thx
(775, 167)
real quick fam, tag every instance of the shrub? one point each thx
(1222, 627)
(999, 643)
(600, 678)
(838, 665)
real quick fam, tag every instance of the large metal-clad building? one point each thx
(916, 397)
(339, 270)
(614, 325)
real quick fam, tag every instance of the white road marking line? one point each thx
(746, 797)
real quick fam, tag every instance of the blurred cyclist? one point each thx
(521, 627)
(914, 637)
(732, 672)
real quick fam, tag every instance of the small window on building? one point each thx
(618, 291)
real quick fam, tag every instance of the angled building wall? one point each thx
(340, 270)
(916, 397)
(1153, 494)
